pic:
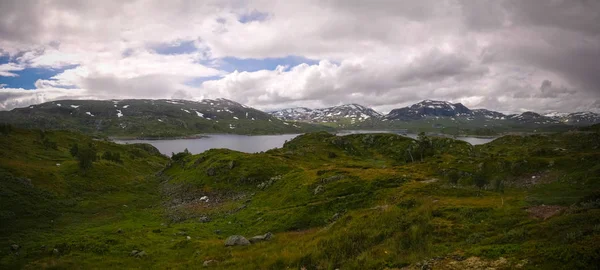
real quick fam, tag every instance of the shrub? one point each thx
(114, 157)
(86, 156)
(181, 155)
(74, 150)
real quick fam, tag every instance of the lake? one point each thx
(249, 144)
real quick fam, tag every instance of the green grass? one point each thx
(351, 202)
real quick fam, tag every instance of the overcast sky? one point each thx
(510, 56)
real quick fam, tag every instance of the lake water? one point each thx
(249, 144)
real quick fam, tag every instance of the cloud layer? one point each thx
(505, 55)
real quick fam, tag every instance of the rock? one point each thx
(319, 189)
(188, 238)
(236, 240)
(204, 219)
(217, 231)
(211, 171)
(231, 164)
(141, 254)
(133, 252)
(55, 252)
(209, 262)
(182, 233)
(120, 230)
(14, 247)
(266, 237)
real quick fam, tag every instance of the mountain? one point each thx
(576, 119)
(532, 118)
(343, 114)
(488, 114)
(429, 108)
(293, 114)
(151, 118)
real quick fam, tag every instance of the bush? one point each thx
(181, 155)
(5, 129)
(74, 150)
(453, 177)
(114, 157)
(86, 156)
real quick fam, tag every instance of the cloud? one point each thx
(506, 55)
(6, 70)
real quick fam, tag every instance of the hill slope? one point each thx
(363, 201)
(151, 118)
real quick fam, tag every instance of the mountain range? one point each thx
(432, 109)
(144, 118)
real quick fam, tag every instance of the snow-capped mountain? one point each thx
(532, 118)
(293, 114)
(350, 113)
(578, 118)
(429, 108)
(488, 114)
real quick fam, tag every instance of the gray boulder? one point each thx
(141, 254)
(236, 240)
(319, 189)
(204, 219)
(266, 237)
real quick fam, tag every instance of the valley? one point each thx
(359, 201)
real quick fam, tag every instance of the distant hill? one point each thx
(152, 118)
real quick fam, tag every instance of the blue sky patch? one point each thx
(252, 16)
(195, 82)
(182, 47)
(27, 77)
(231, 64)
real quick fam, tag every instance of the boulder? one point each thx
(204, 219)
(236, 240)
(14, 247)
(211, 171)
(141, 254)
(319, 189)
(266, 237)
(208, 263)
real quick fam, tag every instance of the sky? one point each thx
(505, 55)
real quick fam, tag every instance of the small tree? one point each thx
(114, 157)
(86, 156)
(181, 155)
(74, 150)
(480, 180)
(453, 177)
(424, 146)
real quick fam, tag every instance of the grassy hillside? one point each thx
(365, 201)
